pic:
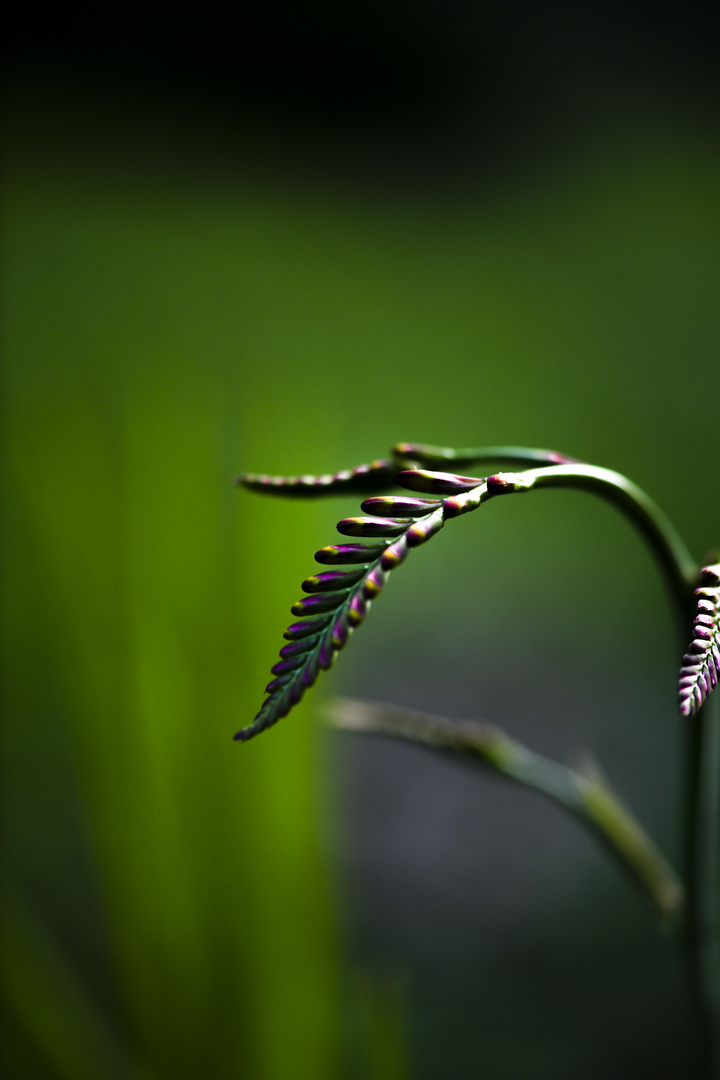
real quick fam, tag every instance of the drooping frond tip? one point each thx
(337, 600)
(376, 476)
(379, 475)
(700, 671)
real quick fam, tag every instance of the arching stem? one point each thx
(679, 569)
(702, 784)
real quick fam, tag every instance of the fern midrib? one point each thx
(334, 615)
(341, 611)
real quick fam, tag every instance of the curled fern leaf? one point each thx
(700, 671)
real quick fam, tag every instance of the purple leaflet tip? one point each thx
(391, 506)
(349, 553)
(319, 602)
(437, 483)
(332, 581)
(305, 628)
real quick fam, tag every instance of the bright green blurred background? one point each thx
(184, 300)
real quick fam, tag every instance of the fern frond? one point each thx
(338, 601)
(380, 474)
(376, 476)
(700, 671)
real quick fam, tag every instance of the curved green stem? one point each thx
(586, 794)
(679, 569)
(702, 798)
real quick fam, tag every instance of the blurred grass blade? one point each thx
(587, 795)
(49, 1000)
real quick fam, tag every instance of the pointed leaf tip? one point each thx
(423, 530)
(437, 483)
(349, 553)
(332, 580)
(319, 602)
(295, 648)
(305, 628)
(392, 505)
(372, 526)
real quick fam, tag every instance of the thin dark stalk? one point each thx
(586, 794)
(702, 875)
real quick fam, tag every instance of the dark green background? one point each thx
(281, 245)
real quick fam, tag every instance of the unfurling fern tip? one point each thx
(700, 670)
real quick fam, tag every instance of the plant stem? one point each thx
(702, 874)
(437, 456)
(702, 823)
(586, 794)
(702, 795)
(679, 568)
